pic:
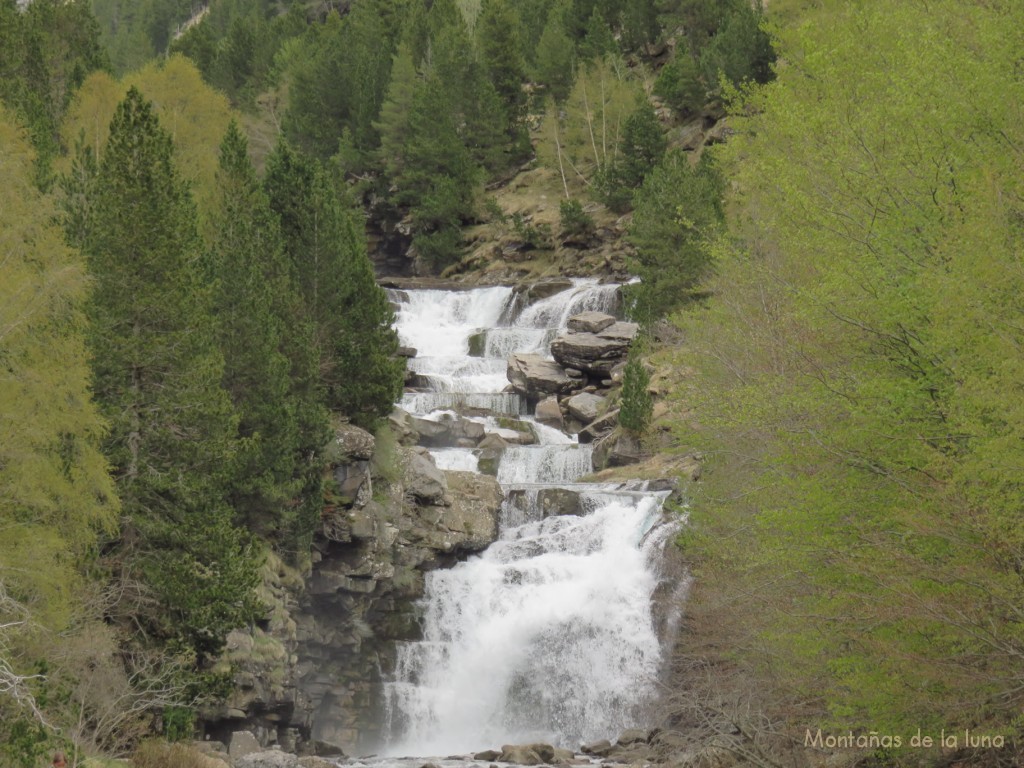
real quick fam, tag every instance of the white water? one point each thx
(547, 635)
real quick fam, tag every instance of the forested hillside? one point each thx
(189, 307)
(855, 378)
(823, 201)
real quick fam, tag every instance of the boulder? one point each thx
(447, 431)
(406, 352)
(564, 756)
(478, 344)
(242, 743)
(519, 755)
(316, 762)
(532, 375)
(546, 751)
(597, 748)
(489, 452)
(401, 424)
(353, 483)
(600, 427)
(590, 322)
(617, 449)
(585, 406)
(421, 478)
(596, 353)
(474, 511)
(351, 443)
(559, 501)
(546, 288)
(548, 412)
(633, 736)
(488, 755)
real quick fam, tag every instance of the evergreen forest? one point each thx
(193, 198)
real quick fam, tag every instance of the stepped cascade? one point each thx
(548, 635)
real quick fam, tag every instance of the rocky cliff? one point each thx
(308, 673)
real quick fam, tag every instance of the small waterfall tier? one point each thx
(548, 634)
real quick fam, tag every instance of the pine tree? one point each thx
(157, 377)
(252, 284)
(637, 406)
(679, 83)
(497, 30)
(678, 212)
(639, 24)
(555, 56)
(598, 40)
(360, 373)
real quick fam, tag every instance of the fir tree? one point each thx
(598, 40)
(555, 56)
(350, 313)
(253, 290)
(637, 406)
(501, 52)
(157, 376)
(679, 83)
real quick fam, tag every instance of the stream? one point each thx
(548, 635)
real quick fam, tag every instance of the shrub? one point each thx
(637, 406)
(573, 220)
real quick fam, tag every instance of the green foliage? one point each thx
(497, 31)
(179, 723)
(678, 215)
(636, 406)
(741, 50)
(350, 314)
(639, 24)
(532, 235)
(157, 377)
(45, 54)
(680, 85)
(355, 51)
(555, 56)
(859, 372)
(599, 40)
(573, 220)
(641, 148)
(271, 363)
(57, 496)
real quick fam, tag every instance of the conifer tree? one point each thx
(501, 52)
(555, 55)
(350, 313)
(255, 302)
(598, 40)
(157, 377)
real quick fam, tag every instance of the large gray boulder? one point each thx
(596, 353)
(474, 511)
(447, 431)
(242, 743)
(590, 322)
(489, 453)
(519, 754)
(421, 478)
(585, 406)
(548, 412)
(533, 376)
(352, 443)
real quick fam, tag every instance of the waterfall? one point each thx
(548, 634)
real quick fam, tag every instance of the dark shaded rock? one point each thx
(585, 406)
(590, 322)
(633, 736)
(401, 424)
(617, 449)
(407, 352)
(600, 748)
(489, 452)
(546, 288)
(600, 427)
(422, 479)
(559, 501)
(478, 344)
(243, 743)
(488, 755)
(546, 751)
(474, 510)
(533, 376)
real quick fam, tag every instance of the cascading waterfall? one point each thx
(548, 634)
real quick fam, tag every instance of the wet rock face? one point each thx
(312, 673)
(533, 376)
